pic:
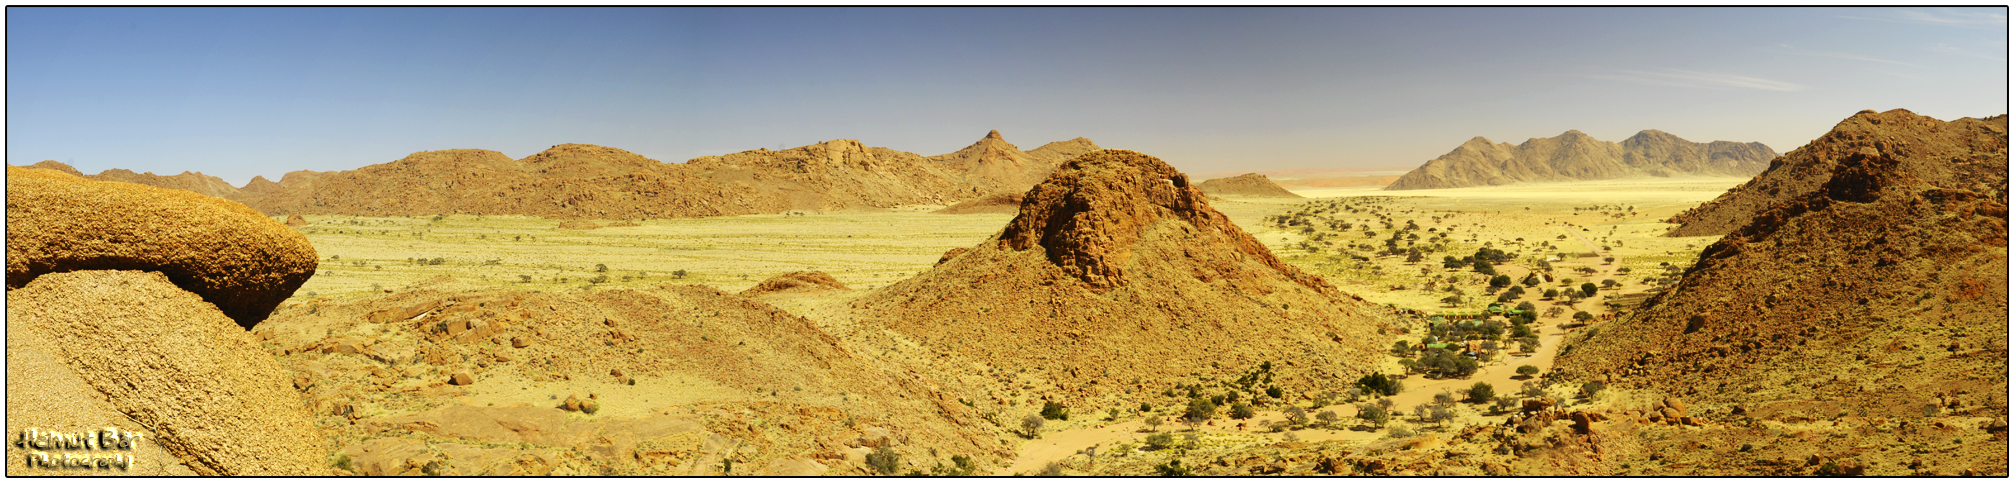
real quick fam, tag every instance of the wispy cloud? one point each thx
(1948, 49)
(1694, 79)
(1941, 16)
(1788, 49)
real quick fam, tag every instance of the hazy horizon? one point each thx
(239, 92)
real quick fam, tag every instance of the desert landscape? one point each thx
(1117, 318)
(804, 241)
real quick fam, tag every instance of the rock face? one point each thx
(1117, 268)
(1251, 185)
(183, 373)
(1890, 274)
(1577, 156)
(235, 258)
(808, 281)
(1925, 146)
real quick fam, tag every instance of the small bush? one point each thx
(884, 460)
(1399, 432)
(1160, 441)
(1172, 468)
(1055, 411)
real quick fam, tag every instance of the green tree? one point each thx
(1373, 414)
(1200, 410)
(1482, 393)
(1551, 293)
(1484, 267)
(1296, 416)
(1592, 388)
(680, 273)
(1172, 468)
(1500, 281)
(1526, 307)
(1160, 441)
(1152, 421)
(1452, 300)
(1451, 262)
(1583, 316)
(1527, 370)
(1242, 411)
(1401, 348)
(1588, 289)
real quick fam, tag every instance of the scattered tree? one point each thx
(1588, 289)
(1373, 414)
(1527, 370)
(1152, 421)
(1242, 411)
(1481, 393)
(1031, 426)
(1296, 416)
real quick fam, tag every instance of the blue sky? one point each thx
(238, 92)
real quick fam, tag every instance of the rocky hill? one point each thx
(1576, 156)
(1117, 276)
(996, 165)
(1251, 185)
(586, 181)
(1880, 293)
(1927, 146)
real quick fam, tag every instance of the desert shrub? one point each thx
(1527, 370)
(1051, 469)
(1055, 411)
(1592, 388)
(884, 460)
(1378, 384)
(1551, 293)
(342, 460)
(1144, 407)
(524, 279)
(1327, 417)
(1217, 400)
(1200, 409)
(1399, 432)
(1112, 414)
(1031, 426)
(1296, 416)
(1242, 411)
(1159, 441)
(1172, 468)
(1444, 398)
(598, 279)
(1274, 392)
(680, 273)
(600, 268)
(1401, 348)
(1482, 393)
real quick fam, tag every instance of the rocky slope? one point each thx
(1946, 153)
(1251, 185)
(448, 379)
(1115, 277)
(1879, 293)
(1576, 156)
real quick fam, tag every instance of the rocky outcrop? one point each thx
(232, 256)
(1576, 156)
(187, 377)
(1116, 268)
(1249, 185)
(1944, 153)
(803, 281)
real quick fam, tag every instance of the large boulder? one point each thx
(193, 383)
(232, 256)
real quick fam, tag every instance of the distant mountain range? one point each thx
(1574, 156)
(587, 181)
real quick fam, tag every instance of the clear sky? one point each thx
(237, 92)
